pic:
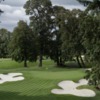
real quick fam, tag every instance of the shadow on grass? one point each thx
(17, 96)
(70, 64)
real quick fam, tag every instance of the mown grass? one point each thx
(39, 82)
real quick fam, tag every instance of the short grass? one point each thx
(39, 82)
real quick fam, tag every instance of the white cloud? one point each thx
(13, 11)
(14, 2)
(68, 4)
(65, 2)
(11, 16)
(6, 7)
(72, 6)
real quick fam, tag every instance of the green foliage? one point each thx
(23, 46)
(94, 75)
(72, 38)
(90, 27)
(4, 41)
(56, 42)
(40, 22)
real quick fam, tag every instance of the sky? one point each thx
(14, 11)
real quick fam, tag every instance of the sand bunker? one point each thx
(10, 77)
(70, 87)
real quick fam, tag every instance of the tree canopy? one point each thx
(90, 27)
(40, 22)
(5, 36)
(22, 45)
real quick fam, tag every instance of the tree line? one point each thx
(58, 33)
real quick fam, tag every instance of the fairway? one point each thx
(39, 82)
(49, 49)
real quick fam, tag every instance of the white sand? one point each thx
(10, 77)
(70, 87)
(88, 69)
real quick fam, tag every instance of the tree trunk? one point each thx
(57, 58)
(61, 61)
(40, 60)
(78, 61)
(83, 64)
(41, 51)
(58, 64)
(25, 63)
(60, 58)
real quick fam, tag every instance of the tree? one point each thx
(71, 37)
(90, 26)
(91, 29)
(56, 42)
(22, 45)
(4, 41)
(40, 19)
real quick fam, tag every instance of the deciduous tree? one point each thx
(40, 19)
(71, 37)
(90, 26)
(58, 18)
(4, 41)
(23, 46)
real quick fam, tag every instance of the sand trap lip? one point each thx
(10, 77)
(70, 87)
